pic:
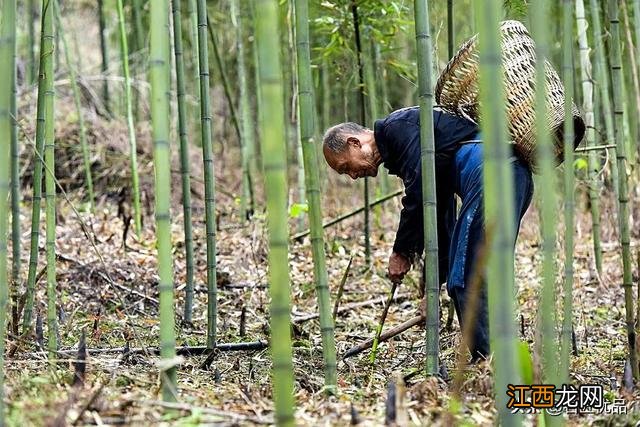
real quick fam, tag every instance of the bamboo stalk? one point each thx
(274, 165)
(326, 93)
(292, 108)
(192, 11)
(37, 186)
(105, 57)
(603, 82)
(361, 86)
(636, 25)
(209, 173)
(312, 184)
(46, 71)
(7, 128)
(427, 160)
(185, 171)
(374, 103)
(15, 174)
(138, 42)
(623, 191)
(133, 152)
(634, 106)
(450, 30)
(549, 204)
(569, 186)
(247, 143)
(160, 76)
(86, 157)
(498, 206)
(31, 41)
(225, 81)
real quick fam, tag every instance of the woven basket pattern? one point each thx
(457, 91)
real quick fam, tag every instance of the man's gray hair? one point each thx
(335, 138)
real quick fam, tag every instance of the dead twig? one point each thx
(180, 351)
(341, 289)
(383, 317)
(209, 411)
(349, 307)
(384, 336)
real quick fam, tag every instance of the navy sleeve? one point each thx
(410, 235)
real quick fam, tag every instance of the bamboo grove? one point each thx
(247, 88)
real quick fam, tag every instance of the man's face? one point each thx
(357, 160)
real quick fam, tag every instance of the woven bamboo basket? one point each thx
(457, 91)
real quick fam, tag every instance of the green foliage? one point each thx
(380, 20)
(516, 9)
(297, 209)
(580, 164)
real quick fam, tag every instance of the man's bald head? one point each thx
(335, 138)
(350, 148)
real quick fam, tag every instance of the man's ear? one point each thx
(352, 140)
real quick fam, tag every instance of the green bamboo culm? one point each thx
(548, 201)
(86, 156)
(569, 188)
(623, 191)
(325, 75)
(16, 243)
(361, 85)
(185, 171)
(133, 151)
(7, 94)
(587, 106)
(371, 84)
(636, 25)
(602, 73)
(225, 81)
(31, 41)
(138, 42)
(312, 178)
(450, 30)
(498, 206)
(427, 159)
(104, 51)
(275, 176)
(160, 78)
(192, 11)
(46, 50)
(209, 175)
(246, 122)
(46, 67)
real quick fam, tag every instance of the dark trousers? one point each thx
(468, 235)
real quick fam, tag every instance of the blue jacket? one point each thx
(398, 140)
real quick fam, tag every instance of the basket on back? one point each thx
(457, 91)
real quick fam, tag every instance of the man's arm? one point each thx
(409, 241)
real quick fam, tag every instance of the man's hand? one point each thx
(399, 265)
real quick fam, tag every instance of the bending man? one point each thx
(395, 143)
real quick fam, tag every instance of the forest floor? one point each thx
(109, 291)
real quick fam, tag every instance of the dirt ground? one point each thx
(109, 291)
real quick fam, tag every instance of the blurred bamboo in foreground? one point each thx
(498, 206)
(275, 178)
(160, 79)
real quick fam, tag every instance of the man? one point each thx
(395, 142)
